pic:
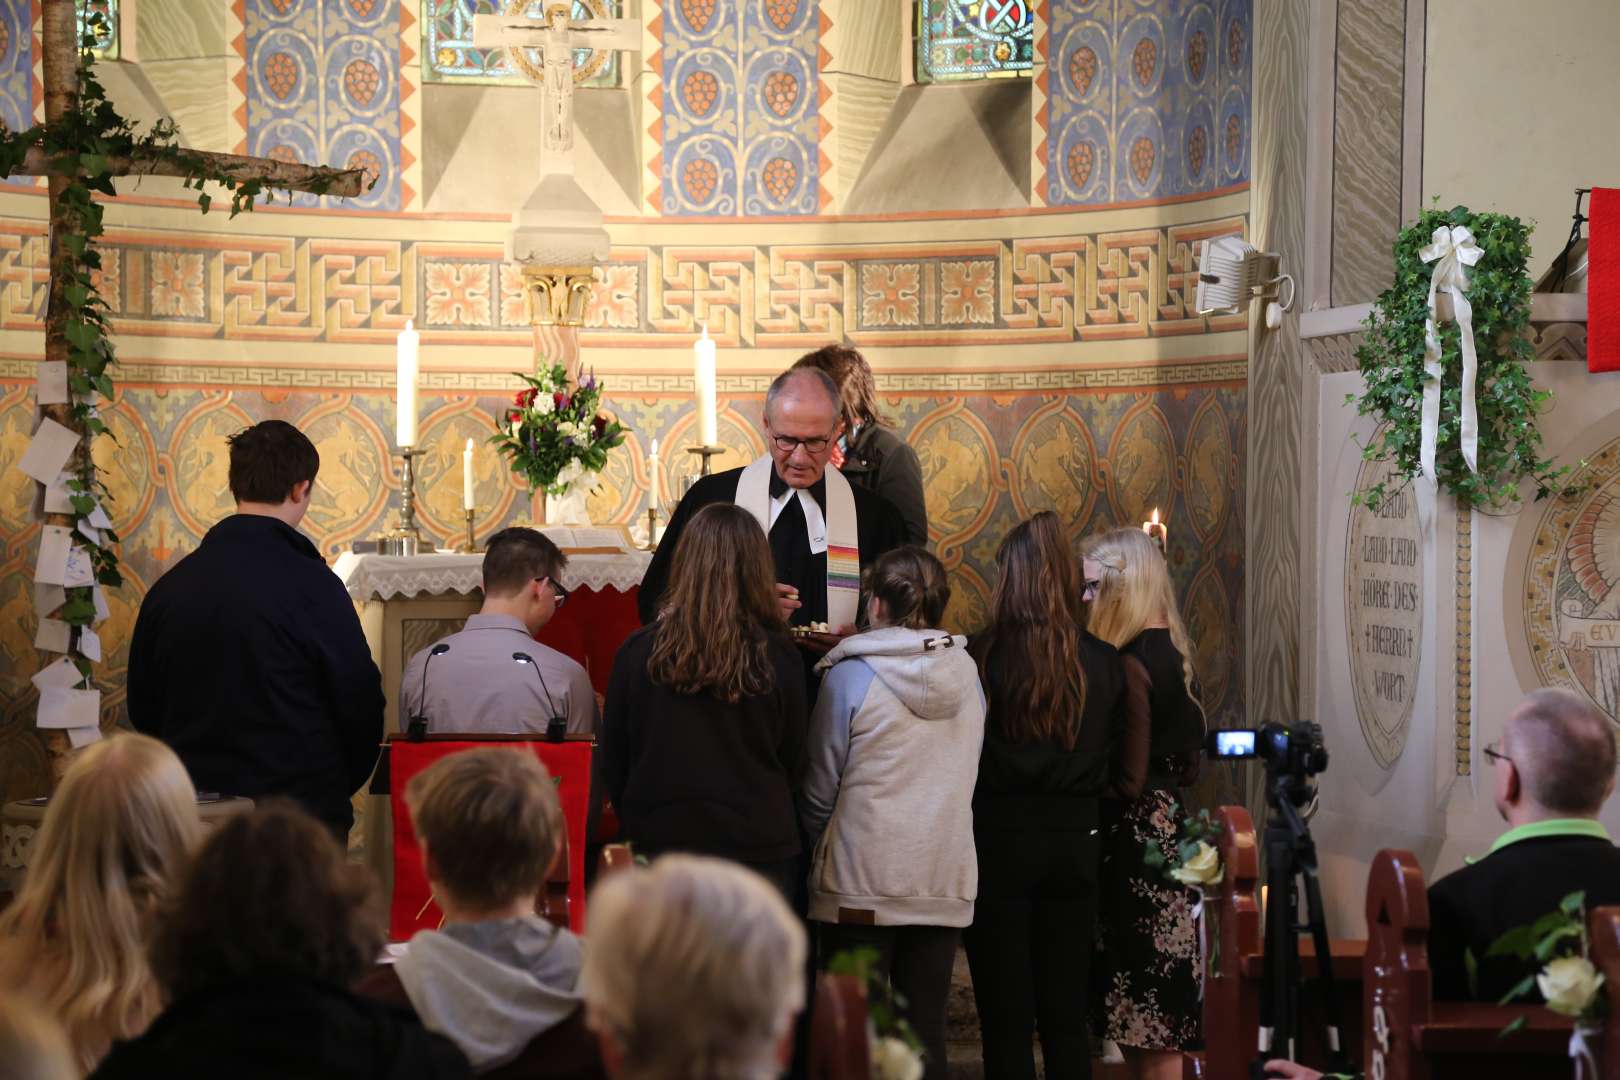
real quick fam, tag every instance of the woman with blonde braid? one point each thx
(118, 833)
(1146, 930)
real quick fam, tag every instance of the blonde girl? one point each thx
(117, 834)
(1146, 930)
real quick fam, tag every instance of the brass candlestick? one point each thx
(652, 530)
(404, 538)
(708, 453)
(469, 546)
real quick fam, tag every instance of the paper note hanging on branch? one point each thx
(61, 708)
(99, 598)
(47, 598)
(50, 449)
(53, 635)
(79, 571)
(58, 499)
(79, 737)
(51, 385)
(55, 543)
(90, 644)
(62, 675)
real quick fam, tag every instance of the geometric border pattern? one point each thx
(1130, 284)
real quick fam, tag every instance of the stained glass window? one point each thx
(974, 39)
(106, 45)
(447, 42)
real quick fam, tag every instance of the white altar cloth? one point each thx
(384, 577)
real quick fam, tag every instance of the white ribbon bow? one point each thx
(1454, 248)
(1198, 924)
(1580, 1049)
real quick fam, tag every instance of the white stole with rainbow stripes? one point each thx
(836, 534)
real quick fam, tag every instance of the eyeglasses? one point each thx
(1494, 754)
(1090, 585)
(787, 443)
(557, 589)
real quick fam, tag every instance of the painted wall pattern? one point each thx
(1104, 286)
(20, 87)
(1097, 457)
(741, 97)
(1062, 422)
(321, 82)
(1145, 98)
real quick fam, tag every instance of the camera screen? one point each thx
(1234, 744)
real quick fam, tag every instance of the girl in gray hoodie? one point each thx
(887, 800)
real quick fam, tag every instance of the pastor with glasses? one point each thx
(822, 530)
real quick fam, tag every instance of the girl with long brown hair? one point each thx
(1149, 963)
(1056, 695)
(702, 745)
(117, 834)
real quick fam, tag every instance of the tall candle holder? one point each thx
(708, 453)
(652, 530)
(404, 538)
(469, 544)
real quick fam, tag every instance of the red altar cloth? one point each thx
(569, 762)
(591, 626)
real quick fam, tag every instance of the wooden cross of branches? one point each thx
(82, 146)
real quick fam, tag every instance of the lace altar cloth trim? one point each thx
(384, 577)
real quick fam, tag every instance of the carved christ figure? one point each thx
(556, 39)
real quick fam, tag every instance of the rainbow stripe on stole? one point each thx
(843, 569)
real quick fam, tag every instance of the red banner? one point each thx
(568, 762)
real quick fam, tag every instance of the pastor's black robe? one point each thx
(879, 528)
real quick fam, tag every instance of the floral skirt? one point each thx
(1146, 990)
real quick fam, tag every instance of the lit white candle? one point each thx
(467, 477)
(652, 477)
(707, 409)
(405, 415)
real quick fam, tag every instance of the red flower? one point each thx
(514, 416)
(529, 396)
(598, 426)
(560, 400)
(517, 398)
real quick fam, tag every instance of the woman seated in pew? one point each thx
(702, 744)
(1149, 979)
(496, 979)
(694, 971)
(255, 952)
(887, 804)
(117, 833)
(1056, 699)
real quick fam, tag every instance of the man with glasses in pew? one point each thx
(1551, 773)
(493, 677)
(822, 529)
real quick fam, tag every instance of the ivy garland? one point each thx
(1506, 402)
(82, 148)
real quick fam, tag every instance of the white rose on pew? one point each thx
(1202, 869)
(1569, 984)
(892, 1059)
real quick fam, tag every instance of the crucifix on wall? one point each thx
(555, 39)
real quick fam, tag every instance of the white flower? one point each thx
(1202, 869)
(1569, 984)
(892, 1059)
(567, 428)
(569, 473)
(543, 405)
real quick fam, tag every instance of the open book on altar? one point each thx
(590, 539)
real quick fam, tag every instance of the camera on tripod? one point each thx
(1293, 754)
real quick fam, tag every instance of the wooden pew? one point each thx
(1237, 964)
(1410, 1036)
(839, 1044)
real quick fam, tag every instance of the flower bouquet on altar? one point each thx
(554, 437)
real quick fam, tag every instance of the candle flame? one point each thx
(1155, 517)
(469, 445)
(655, 448)
(705, 331)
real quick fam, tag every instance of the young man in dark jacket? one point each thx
(247, 656)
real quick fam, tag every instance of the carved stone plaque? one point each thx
(1383, 603)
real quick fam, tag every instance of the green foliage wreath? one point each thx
(1391, 361)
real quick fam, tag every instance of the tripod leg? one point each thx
(1316, 917)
